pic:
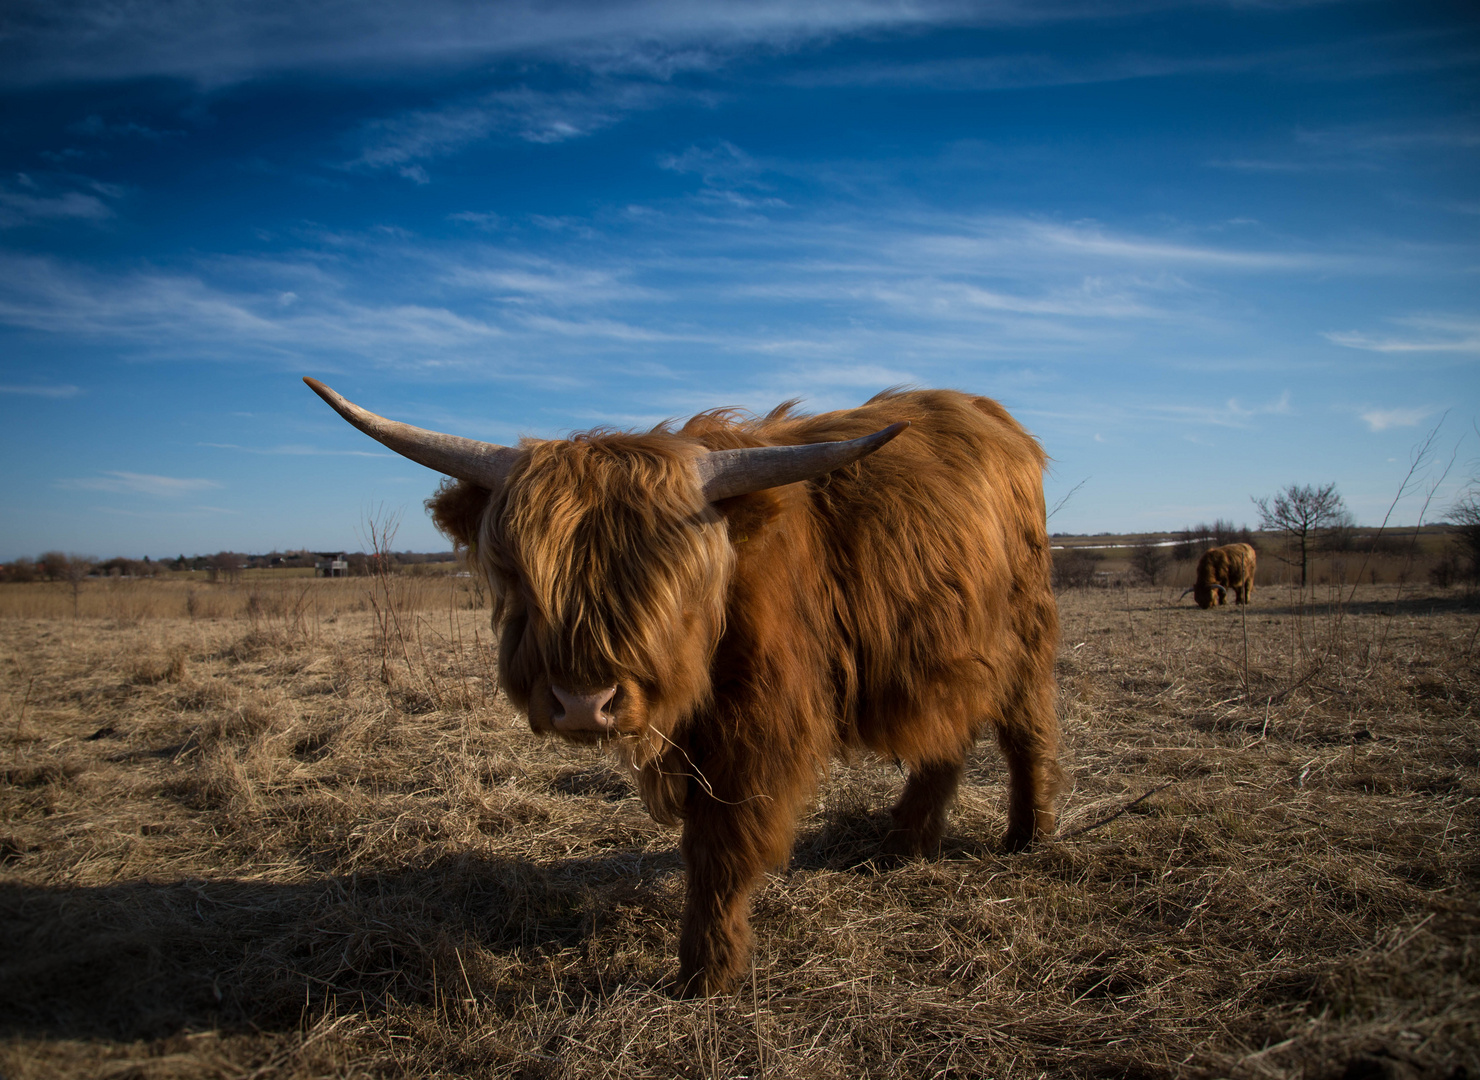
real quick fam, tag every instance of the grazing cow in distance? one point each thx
(1221, 569)
(729, 604)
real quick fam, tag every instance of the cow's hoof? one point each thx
(701, 984)
(1018, 840)
(900, 845)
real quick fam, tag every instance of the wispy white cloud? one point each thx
(547, 281)
(728, 174)
(1280, 406)
(235, 39)
(1277, 165)
(1093, 240)
(479, 219)
(1452, 134)
(96, 127)
(1018, 71)
(63, 390)
(940, 288)
(1382, 419)
(407, 140)
(1425, 334)
(632, 48)
(1366, 147)
(187, 314)
(1230, 413)
(26, 201)
(1352, 57)
(131, 483)
(612, 329)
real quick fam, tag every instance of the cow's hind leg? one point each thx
(920, 814)
(1033, 776)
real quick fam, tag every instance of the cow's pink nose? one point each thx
(584, 712)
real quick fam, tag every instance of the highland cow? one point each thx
(1221, 569)
(729, 604)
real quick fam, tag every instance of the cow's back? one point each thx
(939, 565)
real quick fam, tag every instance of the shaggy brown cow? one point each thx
(731, 603)
(1221, 569)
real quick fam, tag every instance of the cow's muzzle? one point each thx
(588, 712)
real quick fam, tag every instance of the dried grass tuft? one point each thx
(151, 669)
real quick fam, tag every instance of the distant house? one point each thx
(331, 564)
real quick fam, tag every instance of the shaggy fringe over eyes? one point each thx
(604, 547)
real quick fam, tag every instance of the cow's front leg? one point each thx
(726, 849)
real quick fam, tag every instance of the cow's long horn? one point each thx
(1187, 590)
(728, 473)
(481, 463)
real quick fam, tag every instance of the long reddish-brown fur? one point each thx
(900, 605)
(1231, 567)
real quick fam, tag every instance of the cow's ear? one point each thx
(749, 516)
(457, 509)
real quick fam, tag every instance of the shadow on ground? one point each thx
(144, 959)
(1264, 604)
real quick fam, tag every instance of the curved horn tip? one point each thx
(481, 463)
(325, 392)
(725, 474)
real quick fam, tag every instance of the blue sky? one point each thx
(1201, 250)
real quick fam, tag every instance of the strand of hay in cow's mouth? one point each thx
(232, 847)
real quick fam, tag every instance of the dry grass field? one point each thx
(291, 831)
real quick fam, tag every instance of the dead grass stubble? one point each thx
(249, 847)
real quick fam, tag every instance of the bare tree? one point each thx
(52, 565)
(1464, 515)
(1074, 568)
(1150, 560)
(76, 571)
(225, 565)
(59, 566)
(1192, 541)
(1306, 516)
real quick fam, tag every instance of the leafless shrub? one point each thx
(1464, 517)
(1150, 562)
(1074, 568)
(1444, 573)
